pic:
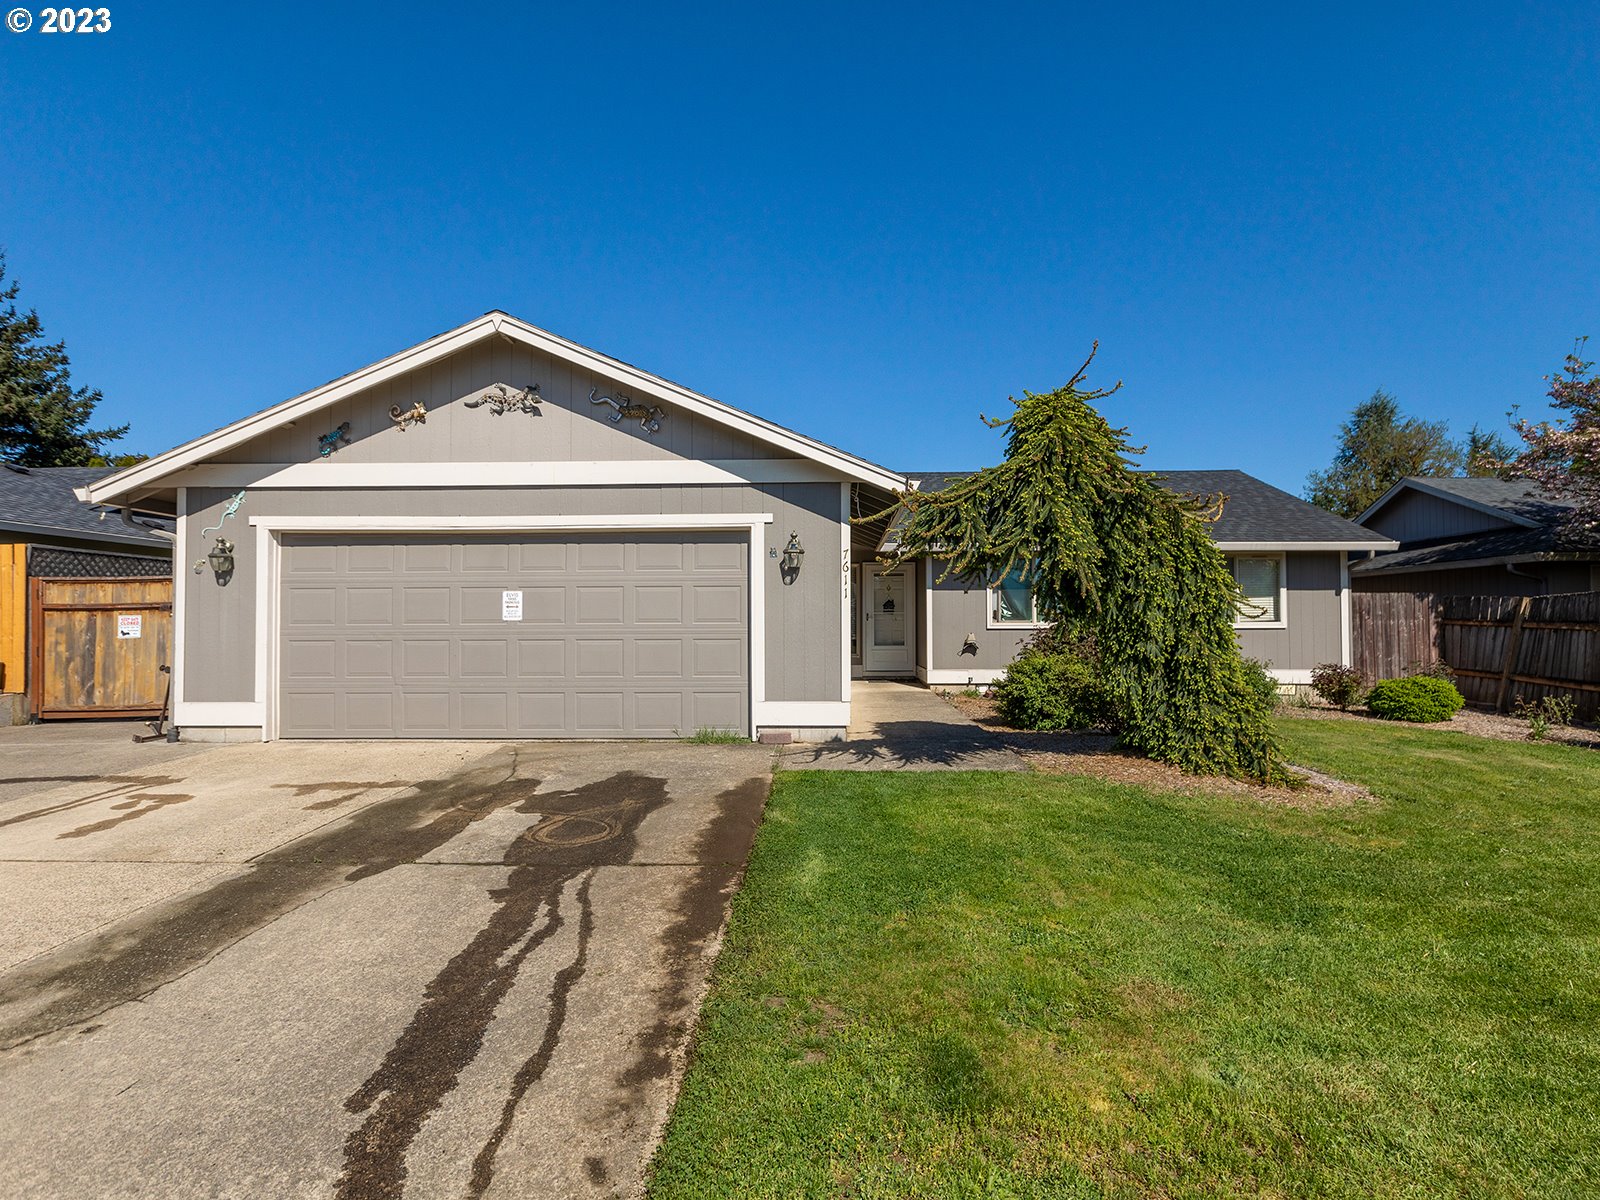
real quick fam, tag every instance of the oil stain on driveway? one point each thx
(476, 984)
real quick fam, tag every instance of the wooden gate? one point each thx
(99, 646)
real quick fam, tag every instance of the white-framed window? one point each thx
(1011, 603)
(1266, 597)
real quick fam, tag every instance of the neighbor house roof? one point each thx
(1478, 550)
(147, 475)
(1255, 515)
(1515, 500)
(40, 502)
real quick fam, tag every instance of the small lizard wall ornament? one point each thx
(501, 399)
(333, 439)
(404, 418)
(649, 416)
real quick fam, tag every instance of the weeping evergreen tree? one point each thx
(1107, 549)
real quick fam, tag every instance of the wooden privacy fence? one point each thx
(98, 646)
(1499, 647)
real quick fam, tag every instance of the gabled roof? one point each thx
(149, 473)
(41, 502)
(1515, 500)
(1256, 515)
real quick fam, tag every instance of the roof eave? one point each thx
(1376, 544)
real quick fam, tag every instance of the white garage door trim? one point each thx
(269, 553)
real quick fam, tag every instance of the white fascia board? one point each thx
(1281, 547)
(146, 473)
(324, 474)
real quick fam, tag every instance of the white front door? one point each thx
(891, 618)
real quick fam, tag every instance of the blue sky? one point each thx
(868, 222)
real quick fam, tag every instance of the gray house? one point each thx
(1473, 537)
(1290, 558)
(500, 533)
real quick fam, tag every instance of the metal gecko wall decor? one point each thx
(233, 507)
(649, 416)
(415, 415)
(333, 439)
(501, 399)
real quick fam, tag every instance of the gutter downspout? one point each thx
(128, 520)
(1542, 580)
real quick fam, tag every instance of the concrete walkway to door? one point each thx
(904, 727)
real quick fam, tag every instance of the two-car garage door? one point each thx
(592, 635)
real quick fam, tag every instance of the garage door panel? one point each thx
(544, 658)
(659, 713)
(620, 636)
(599, 658)
(369, 559)
(600, 714)
(483, 659)
(422, 659)
(425, 606)
(369, 606)
(369, 712)
(658, 604)
(369, 660)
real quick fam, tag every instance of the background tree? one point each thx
(1377, 449)
(1109, 549)
(44, 421)
(1488, 455)
(1563, 457)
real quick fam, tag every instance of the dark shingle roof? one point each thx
(1496, 546)
(38, 502)
(1253, 512)
(1517, 499)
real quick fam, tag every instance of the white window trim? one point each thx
(1283, 589)
(989, 621)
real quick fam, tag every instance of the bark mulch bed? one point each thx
(1469, 721)
(1095, 754)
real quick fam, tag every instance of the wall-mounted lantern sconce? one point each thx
(789, 564)
(220, 560)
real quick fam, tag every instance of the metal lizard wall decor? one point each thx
(233, 508)
(501, 399)
(333, 439)
(649, 416)
(404, 418)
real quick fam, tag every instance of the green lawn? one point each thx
(944, 985)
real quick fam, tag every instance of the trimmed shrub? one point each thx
(1052, 691)
(1420, 698)
(1261, 683)
(1339, 685)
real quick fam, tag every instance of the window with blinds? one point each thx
(1260, 578)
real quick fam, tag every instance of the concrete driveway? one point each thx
(354, 970)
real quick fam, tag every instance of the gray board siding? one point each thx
(803, 650)
(565, 428)
(1414, 516)
(1312, 636)
(1313, 633)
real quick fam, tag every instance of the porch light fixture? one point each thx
(221, 559)
(791, 555)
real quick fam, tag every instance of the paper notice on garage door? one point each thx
(511, 606)
(130, 625)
